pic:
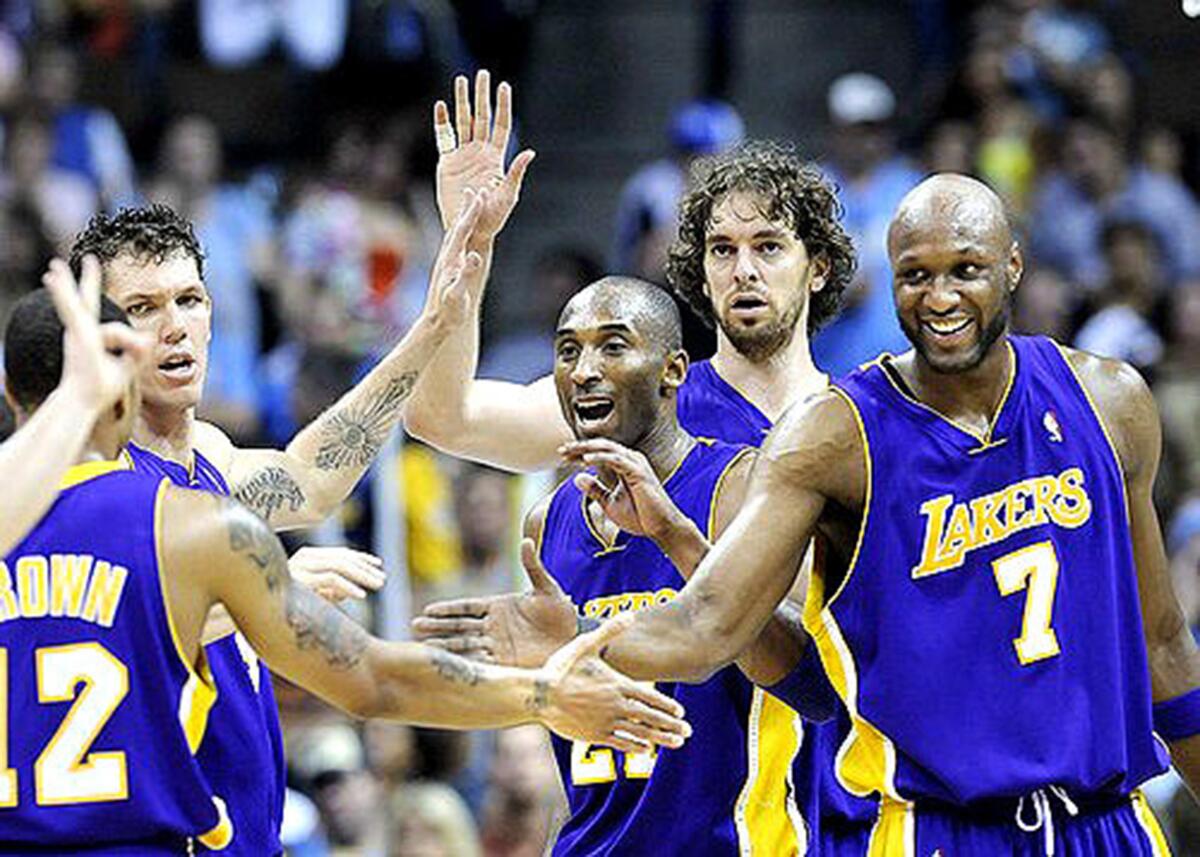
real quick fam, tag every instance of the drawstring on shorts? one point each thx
(1043, 814)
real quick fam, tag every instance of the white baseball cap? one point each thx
(860, 97)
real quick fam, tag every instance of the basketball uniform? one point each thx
(987, 639)
(727, 791)
(839, 822)
(242, 752)
(101, 710)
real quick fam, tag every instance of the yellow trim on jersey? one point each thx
(199, 692)
(221, 835)
(866, 761)
(1112, 447)
(985, 439)
(710, 531)
(1145, 817)
(895, 831)
(767, 820)
(90, 470)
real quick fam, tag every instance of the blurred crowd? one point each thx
(318, 222)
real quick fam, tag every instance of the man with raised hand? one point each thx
(98, 363)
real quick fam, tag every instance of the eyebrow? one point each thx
(609, 327)
(762, 233)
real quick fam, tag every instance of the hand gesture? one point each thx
(99, 361)
(637, 502)
(473, 158)
(519, 629)
(447, 302)
(336, 573)
(587, 700)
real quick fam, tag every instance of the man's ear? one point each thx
(1015, 267)
(818, 273)
(19, 414)
(674, 370)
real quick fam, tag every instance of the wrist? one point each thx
(676, 535)
(79, 395)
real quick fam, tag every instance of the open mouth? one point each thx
(177, 366)
(747, 303)
(593, 410)
(947, 327)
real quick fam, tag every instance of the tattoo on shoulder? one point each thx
(455, 669)
(353, 435)
(317, 625)
(249, 536)
(269, 490)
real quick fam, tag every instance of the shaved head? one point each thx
(650, 308)
(965, 205)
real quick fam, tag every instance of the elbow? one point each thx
(433, 425)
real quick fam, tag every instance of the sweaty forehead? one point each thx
(740, 209)
(947, 219)
(596, 308)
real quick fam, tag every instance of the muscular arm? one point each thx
(1131, 417)
(812, 457)
(513, 426)
(778, 648)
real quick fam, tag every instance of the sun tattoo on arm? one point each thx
(351, 436)
(268, 490)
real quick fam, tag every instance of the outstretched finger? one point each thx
(593, 488)
(89, 284)
(446, 627)
(592, 642)
(515, 177)
(116, 337)
(503, 128)
(61, 286)
(462, 109)
(443, 131)
(647, 694)
(650, 735)
(655, 718)
(541, 579)
(477, 607)
(483, 106)
(621, 740)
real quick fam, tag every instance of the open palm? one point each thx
(471, 155)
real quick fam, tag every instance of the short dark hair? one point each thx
(153, 232)
(652, 304)
(792, 190)
(33, 347)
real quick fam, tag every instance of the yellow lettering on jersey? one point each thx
(607, 606)
(104, 593)
(33, 586)
(68, 582)
(952, 530)
(8, 601)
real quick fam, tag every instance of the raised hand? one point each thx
(447, 303)
(587, 700)
(99, 361)
(636, 501)
(336, 573)
(471, 155)
(518, 629)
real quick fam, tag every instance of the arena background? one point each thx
(296, 135)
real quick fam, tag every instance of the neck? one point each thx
(167, 432)
(771, 385)
(973, 396)
(665, 445)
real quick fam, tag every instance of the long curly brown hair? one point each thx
(791, 190)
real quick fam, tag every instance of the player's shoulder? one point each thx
(535, 518)
(213, 444)
(1123, 402)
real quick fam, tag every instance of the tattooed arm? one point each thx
(215, 550)
(303, 484)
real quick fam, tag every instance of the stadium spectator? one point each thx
(240, 32)
(523, 800)
(63, 200)
(431, 820)
(647, 205)
(1177, 389)
(871, 177)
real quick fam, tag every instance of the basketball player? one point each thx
(618, 367)
(762, 255)
(35, 458)
(152, 268)
(995, 611)
(106, 687)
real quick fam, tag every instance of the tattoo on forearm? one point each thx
(319, 626)
(249, 536)
(269, 490)
(540, 697)
(455, 669)
(353, 435)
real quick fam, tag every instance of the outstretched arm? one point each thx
(34, 459)
(1131, 417)
(812, 457)
(514, 426)
(305, 483)
(216, 550)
